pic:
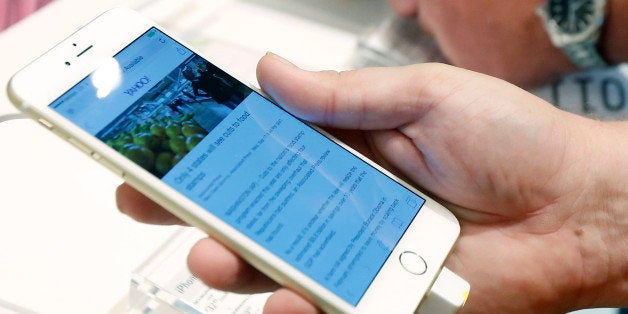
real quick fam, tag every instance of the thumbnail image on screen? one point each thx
(167, 122)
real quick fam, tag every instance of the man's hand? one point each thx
(541, 193)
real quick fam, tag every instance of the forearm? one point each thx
(614, 41)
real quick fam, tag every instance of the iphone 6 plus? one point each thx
(305, 209)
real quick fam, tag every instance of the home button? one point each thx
(413, 263)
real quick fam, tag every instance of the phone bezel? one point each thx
(432, 233)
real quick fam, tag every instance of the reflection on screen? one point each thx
(281, 183)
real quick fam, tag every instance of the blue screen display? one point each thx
(280, 182)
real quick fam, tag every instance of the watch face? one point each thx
(572, 16)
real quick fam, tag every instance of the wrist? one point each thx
(601, 229)
(613, 43)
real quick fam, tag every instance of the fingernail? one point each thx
(279, 58)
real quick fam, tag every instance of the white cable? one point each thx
(11, 116)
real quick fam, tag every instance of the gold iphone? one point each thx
(305, 209)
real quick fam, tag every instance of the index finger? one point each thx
(141, 208)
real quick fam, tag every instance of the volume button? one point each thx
(45, 123)
(108, 164)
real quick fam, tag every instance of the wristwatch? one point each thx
(574, 26)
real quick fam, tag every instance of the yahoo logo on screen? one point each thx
(141, 83)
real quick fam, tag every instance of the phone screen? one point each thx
(280, 182)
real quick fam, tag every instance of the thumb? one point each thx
(367, 99)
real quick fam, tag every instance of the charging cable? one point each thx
(11, 116)
(447, 295)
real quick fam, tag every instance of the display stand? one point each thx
(163, 284)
